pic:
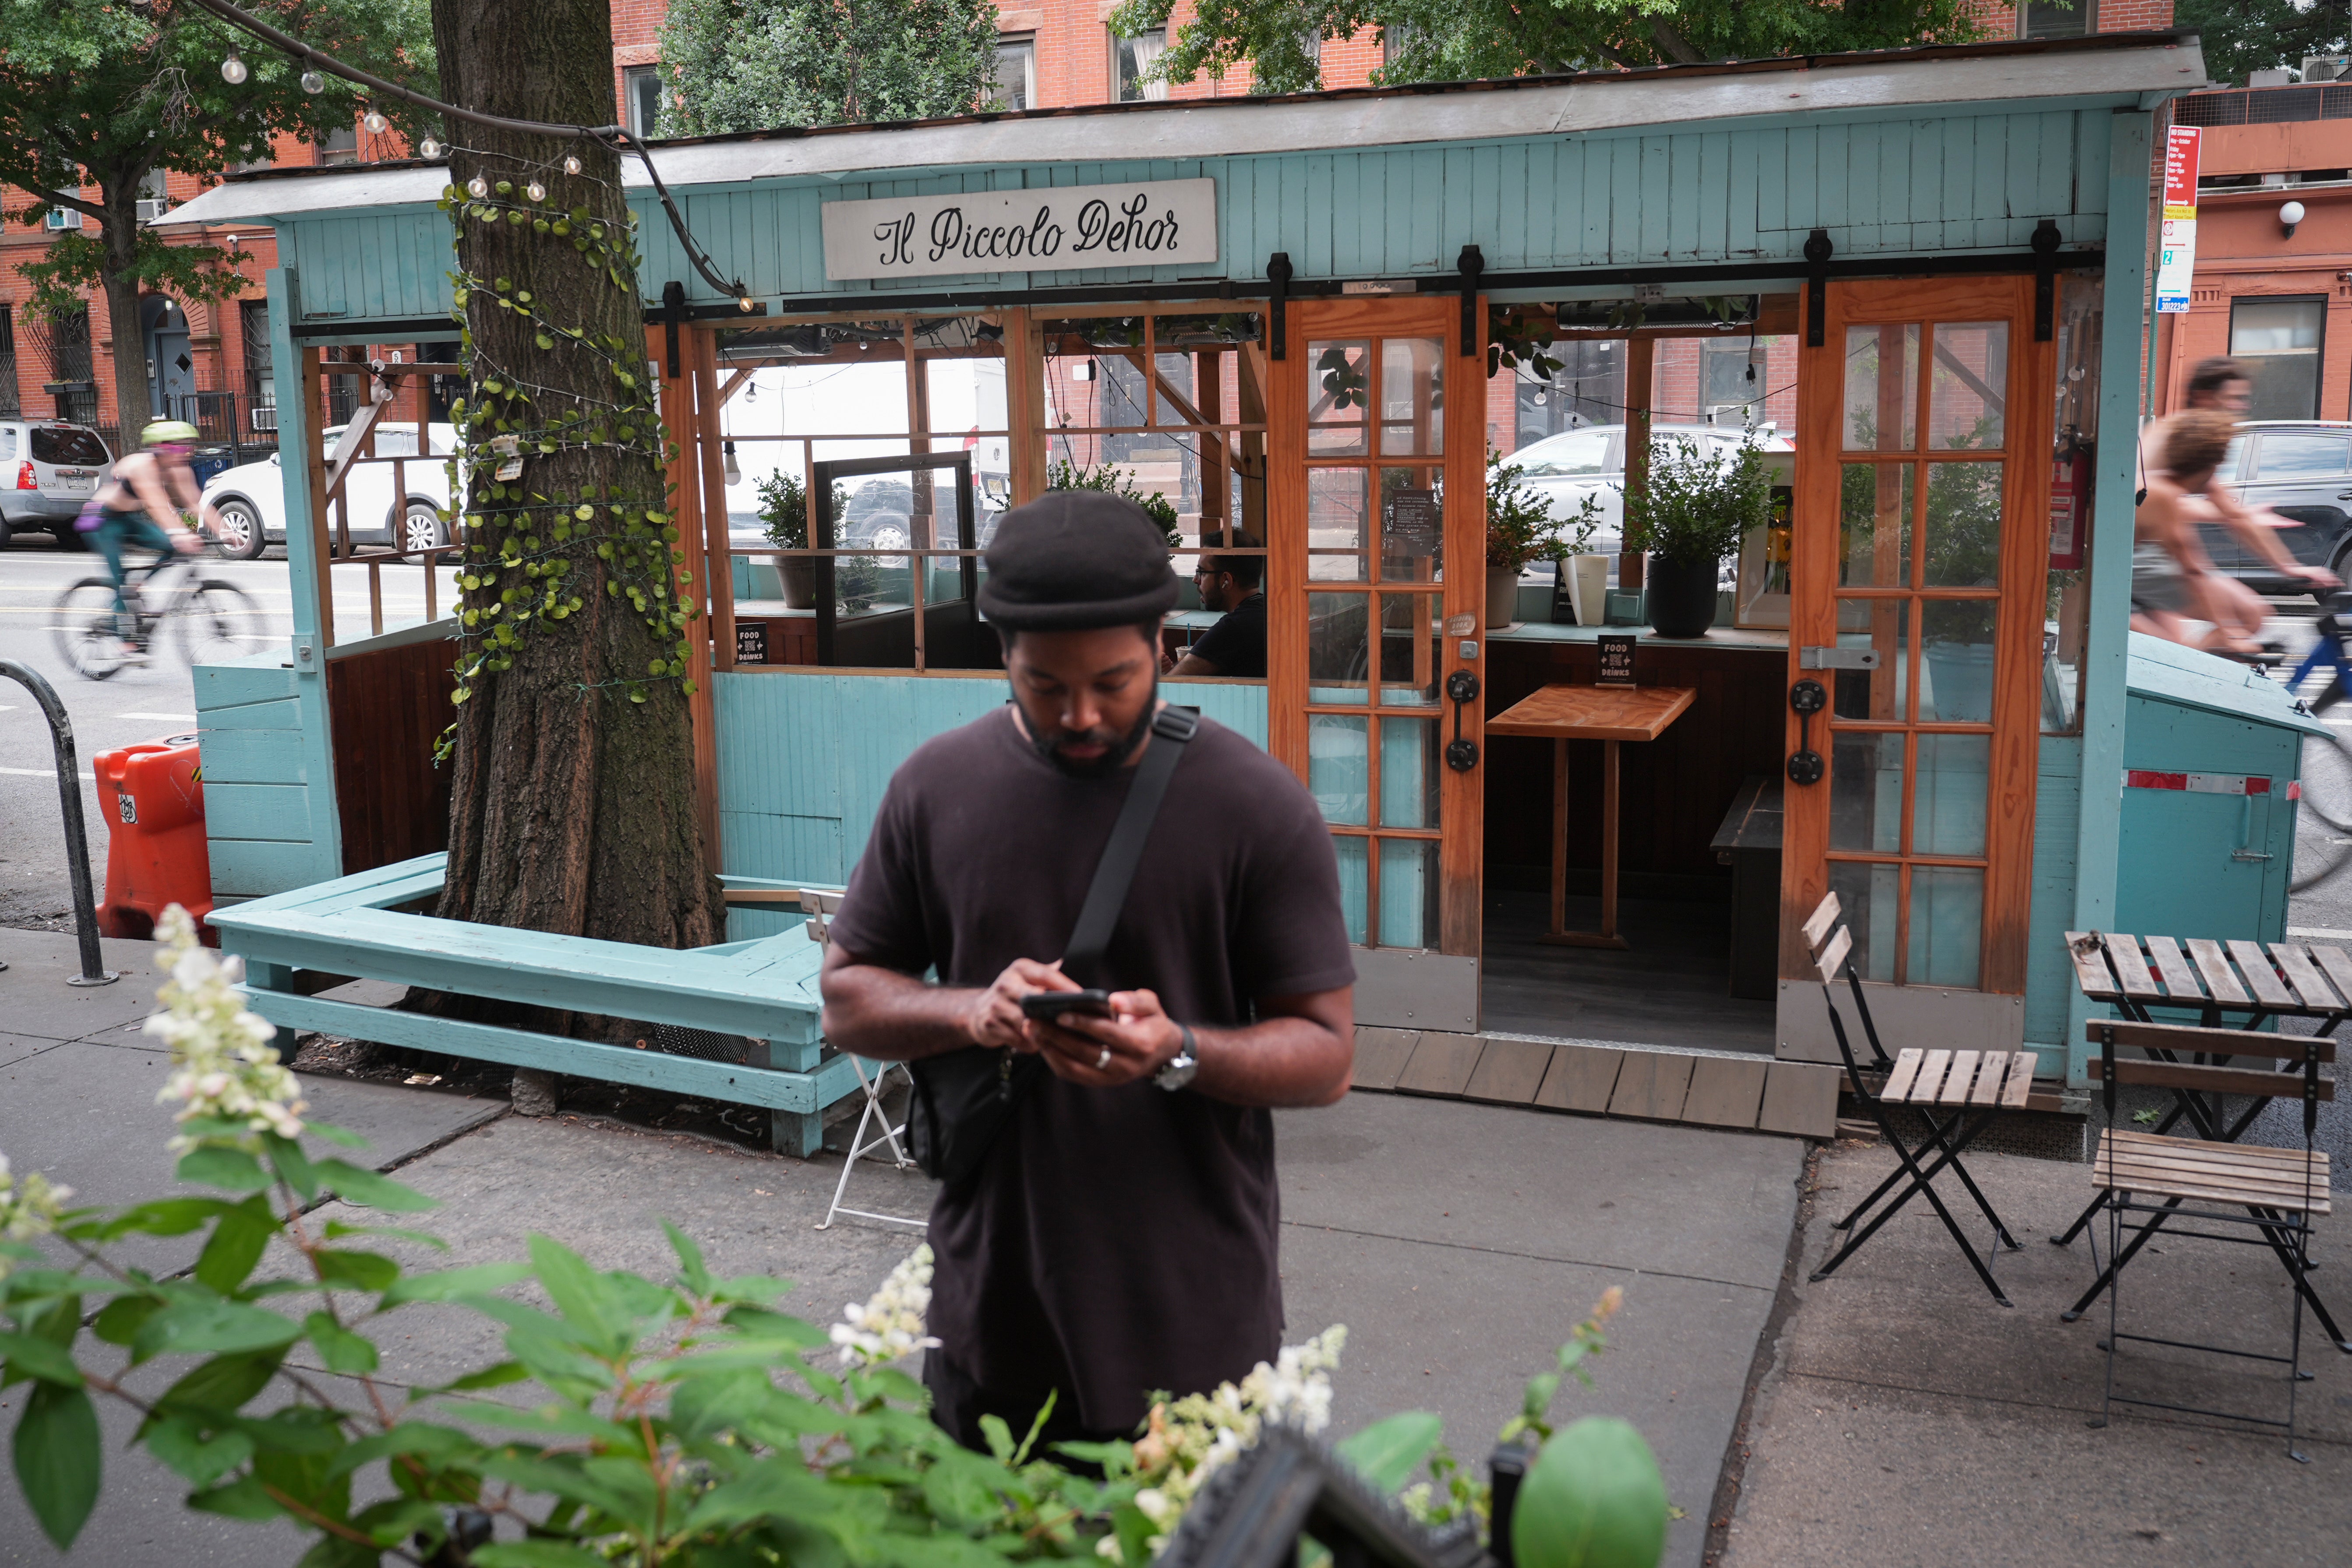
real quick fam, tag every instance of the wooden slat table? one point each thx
(2235, 984)
(1612, 715)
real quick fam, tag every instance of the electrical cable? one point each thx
(616, 140)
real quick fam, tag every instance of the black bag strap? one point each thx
(1170, 729)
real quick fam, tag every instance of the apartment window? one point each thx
(342, 146)
(2280, 340)
(1731, 374)
(10, 408)
(1016, 72)
(63, 217)
(260, 375)
(1130, 59)
(641, 90)
(153, 199)
(2057, 18)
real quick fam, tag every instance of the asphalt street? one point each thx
(136, 704)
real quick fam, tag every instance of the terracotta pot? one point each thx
(1682, 598)
(1502, 595)
(799, 573)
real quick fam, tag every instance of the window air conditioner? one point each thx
(63, 217)
(265, 419)
(2326, 68)
(150, 209)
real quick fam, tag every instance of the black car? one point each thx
(2300, 469)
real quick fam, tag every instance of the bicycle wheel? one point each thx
(216, 621)
(2322, 818)
(83, 625)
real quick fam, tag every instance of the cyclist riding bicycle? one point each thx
(130, 508)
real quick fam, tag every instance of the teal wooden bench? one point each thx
(365, 927)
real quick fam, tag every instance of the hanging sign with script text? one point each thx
(1052, 229)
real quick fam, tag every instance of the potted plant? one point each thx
(1520, 532)
(1113, 480)
(784, 509)
(1689, 519)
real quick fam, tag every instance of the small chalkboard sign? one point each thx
(751, 642)
(1616, 659)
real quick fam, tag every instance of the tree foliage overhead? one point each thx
(2246, 35)
(753, 64)
(100, 92)
(1461, 40)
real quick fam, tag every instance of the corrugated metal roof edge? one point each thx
(2096, 43)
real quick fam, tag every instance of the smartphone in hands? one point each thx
(1048, 1006)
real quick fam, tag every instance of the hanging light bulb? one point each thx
(745, 304)
(536, 191)
(477, 188)
(375, 121)
(428, 148)
(571, 166)
(734, 469)
(313, 83)
(234, 69)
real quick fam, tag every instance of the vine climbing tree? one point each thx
(572, 806)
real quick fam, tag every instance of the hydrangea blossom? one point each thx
(226, 1068)
(28, 1207)
(1190, 1439)
(891, 1324)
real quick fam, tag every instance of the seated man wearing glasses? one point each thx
(1236, 645)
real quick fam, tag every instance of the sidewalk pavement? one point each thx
(1909, 1419)
(1460, 1243)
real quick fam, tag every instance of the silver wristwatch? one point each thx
(1179, 1068)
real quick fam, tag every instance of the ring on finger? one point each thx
(1103, 1061)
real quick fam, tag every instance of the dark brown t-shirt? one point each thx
(1115, 1241)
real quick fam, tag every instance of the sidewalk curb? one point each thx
(1724, 1506)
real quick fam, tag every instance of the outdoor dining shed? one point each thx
(1275, 315)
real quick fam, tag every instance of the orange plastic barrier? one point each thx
(153, 801)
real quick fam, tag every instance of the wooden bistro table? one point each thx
(1611, 715)
(2229, 985)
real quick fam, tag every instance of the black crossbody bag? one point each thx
(963, 1099)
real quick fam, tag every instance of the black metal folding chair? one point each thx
(1955, 1094)
(2271, 1196)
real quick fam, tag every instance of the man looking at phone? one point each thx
(1120, 1234)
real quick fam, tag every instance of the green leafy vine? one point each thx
(520, 541)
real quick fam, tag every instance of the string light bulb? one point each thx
(313, 83)
(477, 188)
(745, 303)
(428, 148)
(572, 164)
(536, 191)
(234, 69)
(375, 121)
(734, 469)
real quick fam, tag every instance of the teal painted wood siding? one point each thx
(2049, 976)
(262, 802)
(804, 760)
(1886, 187)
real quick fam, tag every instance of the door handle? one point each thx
(1461, 685)
(1805, 764)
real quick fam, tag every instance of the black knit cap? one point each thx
(1074, 561)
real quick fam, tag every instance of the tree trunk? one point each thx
(119, 234)
(572, 807)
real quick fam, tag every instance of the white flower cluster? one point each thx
(1188, 1440)
(28, 1207)
(891, 1324)
(226, 1068)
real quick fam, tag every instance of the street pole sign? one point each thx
(2176, 256)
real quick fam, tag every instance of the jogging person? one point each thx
(130, 508)
(1119, 1234)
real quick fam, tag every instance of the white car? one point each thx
(47, 470)
(1566, 468)
(251, 496)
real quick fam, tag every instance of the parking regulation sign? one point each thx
(2175, 254)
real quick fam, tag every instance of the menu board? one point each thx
(1616, 659)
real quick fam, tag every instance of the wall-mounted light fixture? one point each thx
(2289, 215)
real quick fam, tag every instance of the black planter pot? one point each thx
(1682, 598)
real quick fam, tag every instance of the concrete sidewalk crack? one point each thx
(1532, 1257)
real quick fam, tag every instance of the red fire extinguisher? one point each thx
(2070, 501)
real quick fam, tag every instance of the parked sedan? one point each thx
(2302, 469)
(1590, 461)
(252, 495)
(47, 472)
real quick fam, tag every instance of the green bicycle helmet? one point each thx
(169, 432)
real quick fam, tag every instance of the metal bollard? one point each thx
(93, 970)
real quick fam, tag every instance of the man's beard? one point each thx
(1117, 749)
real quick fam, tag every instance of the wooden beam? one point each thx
(315, 462)
(1641, 367)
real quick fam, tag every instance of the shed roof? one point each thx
(2187, 678)
(2137, 69)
